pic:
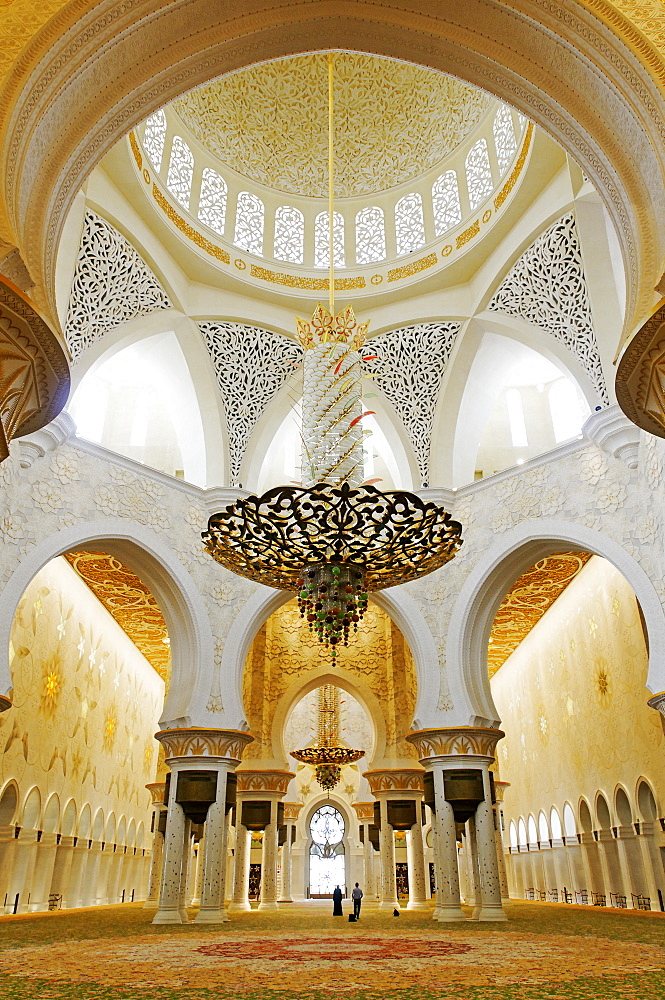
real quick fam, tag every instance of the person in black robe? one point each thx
(337, 902)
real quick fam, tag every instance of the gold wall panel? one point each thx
(528, 600)
(129, 601)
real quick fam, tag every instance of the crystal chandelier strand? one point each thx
(332, 433)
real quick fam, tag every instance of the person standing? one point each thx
(337, 902)
(356, 896)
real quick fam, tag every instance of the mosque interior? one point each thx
(193, 755)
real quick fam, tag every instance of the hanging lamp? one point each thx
(327, 756)
(335, 539)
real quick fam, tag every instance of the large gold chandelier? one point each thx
(335, 539)
(328, 756)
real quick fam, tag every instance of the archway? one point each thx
(486, 585)
(186, 618)
(62, 123)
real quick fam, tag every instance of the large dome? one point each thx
(393, 122)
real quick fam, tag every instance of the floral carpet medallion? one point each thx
(422, 965)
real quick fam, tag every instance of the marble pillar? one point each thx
(448, 907)
(213, 907)
(269, 861)
(240, 899)
(389, 899)
(416, 862)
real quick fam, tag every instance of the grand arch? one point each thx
(581, 71)
(486, 586)
(395, 602)
(181, 604)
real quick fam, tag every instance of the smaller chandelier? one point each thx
(328, 757)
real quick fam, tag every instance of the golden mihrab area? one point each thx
(528, 600)
(284, 650)
(393, 121)
(129, 601)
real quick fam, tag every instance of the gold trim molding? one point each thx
(459, 741)
(264, 781)
(364, 811)
(398, 780)
(310, 284)
(156, 789)
(228, 743)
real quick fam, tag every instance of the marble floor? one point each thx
(301, 952)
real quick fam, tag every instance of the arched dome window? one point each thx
(446, 203)
(504, 137)
(478, 174)
(249, 223)
(322, 240)
(370, 236)
(289, 234)
(153, 137)
(409, 224)
(212, 200)
(181, 171)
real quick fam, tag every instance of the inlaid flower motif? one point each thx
(609, 497)
(11, 526)
(48, 497)
(65, 467)
(593, 466)
(51, 684)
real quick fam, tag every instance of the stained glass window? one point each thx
(445, 202)
(409, 224)
(153, 137)
(289, 234)
(478, 174)
(504, 137)
(212, 200)
(322, 240)
(370, 236)
(181, 169)
(249, 223)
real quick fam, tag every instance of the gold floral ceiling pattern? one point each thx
(129, 601)
(393, 121)
(525, 604)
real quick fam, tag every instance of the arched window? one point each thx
(504, 137)
(543, 832)
(521, 833)
(512, 833)
(445, 202)
(326, 853)
(154, 134)
(555, 825)
(533, 833)
(370, 236)
(322, 240)
(212, 200)
(567, 413)
(289, 234)
(181, 170)
(569, 821)
(409, 224)
(516, 418)
(249, 223)
(478, 174)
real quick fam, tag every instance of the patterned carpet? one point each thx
(545, 952)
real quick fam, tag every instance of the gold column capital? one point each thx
(456, 741)
(200, 742)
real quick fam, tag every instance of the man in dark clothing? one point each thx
(337, 902)
(356, 896)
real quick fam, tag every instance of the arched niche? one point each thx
(192, 649)
(589, 80)
(487, 350)
(486, 586)
(8, 803)
(173, 343)
(395, 601)
(346, 682)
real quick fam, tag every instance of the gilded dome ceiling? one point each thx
(393, 121)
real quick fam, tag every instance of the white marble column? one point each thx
(23, 865)
(488, 867)
(416, 862)
(269, 861)
(185, 871)
(198, 875)
(73, 890)
(168, 911)
(240, 900)
(368, 850)
(63, 868)
(475, 898)
(389, 899)
(156, 862)
(213, 909)
(43, 872)
(448, 904)
(287, 863)
(90, 881)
